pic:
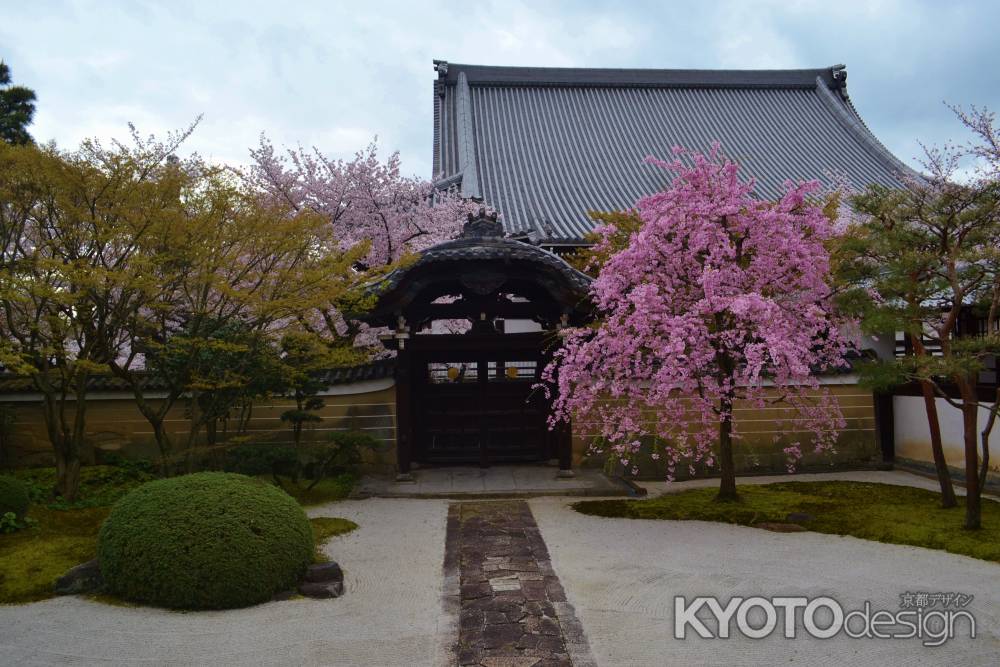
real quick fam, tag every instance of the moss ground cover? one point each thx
(326, 528)
(33, 558)
(879, 512)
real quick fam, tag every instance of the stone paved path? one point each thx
(512, 610)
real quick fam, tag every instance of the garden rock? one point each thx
(324, 572)
(775, 527)
(322, 590)
(84, 578)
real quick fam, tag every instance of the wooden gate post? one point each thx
(404, 405)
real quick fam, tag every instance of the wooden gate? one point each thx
(475, 400)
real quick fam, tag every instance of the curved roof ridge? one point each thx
(466, 145)
(844, 110)
(597, 76)
(480, 248)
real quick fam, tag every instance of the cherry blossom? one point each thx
(365, 199)
(720, 300)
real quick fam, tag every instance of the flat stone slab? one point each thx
(512, 609)
(511, 583)
(524, 481)
(510, 662)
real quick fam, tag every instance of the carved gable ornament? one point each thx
(482, 225)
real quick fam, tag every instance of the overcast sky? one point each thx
(334, 74)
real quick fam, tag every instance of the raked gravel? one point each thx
(621, 575)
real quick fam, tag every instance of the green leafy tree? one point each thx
(229, 255)
(304, 356)
(108, 253)
(888, 268)
(222, 369)
(17, 108)
(73, 273)
(619, 225)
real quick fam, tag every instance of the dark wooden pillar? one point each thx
(482, 378)
(404, 415)
(884, 426)
(563, 433)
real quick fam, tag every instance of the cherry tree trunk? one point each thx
(727, 486)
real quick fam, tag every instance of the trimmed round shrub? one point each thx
(13, 496)
(210, 540)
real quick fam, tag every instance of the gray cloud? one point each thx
(335, 74)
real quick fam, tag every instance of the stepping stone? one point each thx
(510, 662)
(511, 583)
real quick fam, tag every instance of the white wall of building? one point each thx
(913, 437)
(884, 346)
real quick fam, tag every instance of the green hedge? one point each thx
(13, 496)
(204, 541)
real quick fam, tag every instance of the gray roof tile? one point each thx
(545, 145)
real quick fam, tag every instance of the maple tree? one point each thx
(74, 227)
(125, 260)
(718, 298)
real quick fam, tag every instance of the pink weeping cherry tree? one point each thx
(720, 299)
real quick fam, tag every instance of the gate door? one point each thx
(477, 409)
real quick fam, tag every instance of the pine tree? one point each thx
(17, 107)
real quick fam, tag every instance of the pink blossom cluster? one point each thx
(366, 199)
(719, 301)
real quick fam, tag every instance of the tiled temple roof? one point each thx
(545, 145)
